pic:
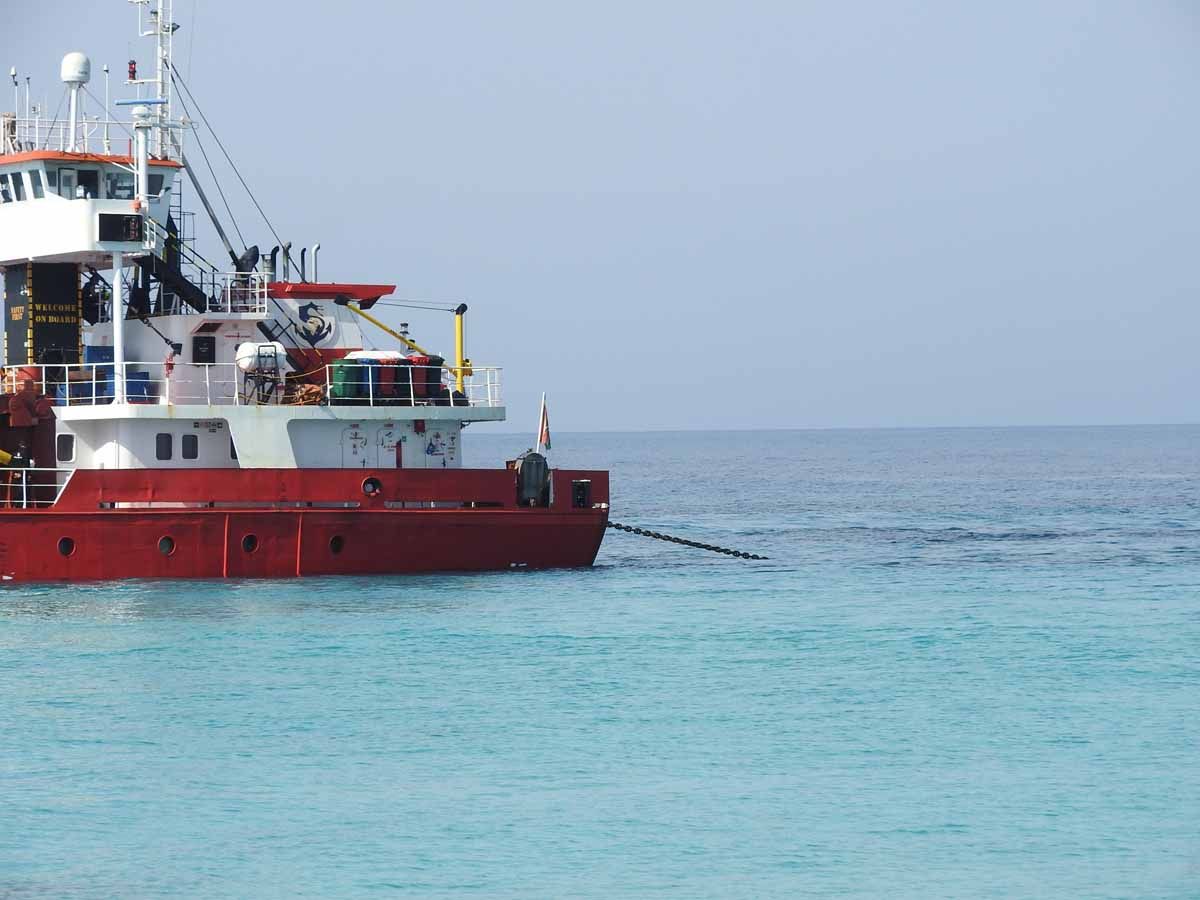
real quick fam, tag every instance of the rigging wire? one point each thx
(100, 103)
(216, 181)
(416, 304)
(192, 37)
(179, 82)
(61, 98)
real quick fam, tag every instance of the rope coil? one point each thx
(659, 536)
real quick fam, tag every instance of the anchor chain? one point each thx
(659, 536)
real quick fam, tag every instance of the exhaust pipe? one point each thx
(316, 247)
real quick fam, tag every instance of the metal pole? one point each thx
(107, 114)
(141, 125)
(118, 330)
(72, 118)
(459, 358)
(208, 209)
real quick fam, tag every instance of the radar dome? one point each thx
(76, 68)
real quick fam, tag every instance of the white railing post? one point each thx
(370, 386)
(207, 385)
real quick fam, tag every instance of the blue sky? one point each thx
(694, 215)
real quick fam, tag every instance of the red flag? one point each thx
(544, 427)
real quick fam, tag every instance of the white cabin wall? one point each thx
(132, 443)
(370, 444)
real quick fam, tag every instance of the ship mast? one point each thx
(158, 23)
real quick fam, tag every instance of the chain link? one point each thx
(659, 536)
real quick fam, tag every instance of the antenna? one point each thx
(12, 73)
(76, 71)
(107, 114)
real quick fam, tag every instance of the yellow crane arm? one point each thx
(411, 345)
(462, 365)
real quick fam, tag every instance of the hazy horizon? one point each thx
(693, 217)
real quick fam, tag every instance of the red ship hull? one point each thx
(278, 523)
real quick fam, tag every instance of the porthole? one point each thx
(372, 486)
(336, 544)
(66, 546)
(166, 545)
(250, 543)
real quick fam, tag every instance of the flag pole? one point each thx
(541, 418)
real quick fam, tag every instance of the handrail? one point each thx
(35, 133)
(343, 383)
(18, 490)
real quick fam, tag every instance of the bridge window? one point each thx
(190, 446)
(232, 449)
(35, 183)
(5, 189)
(118, 184)
(162, 445)
(155, 185)
(18, 185)
(65, 447)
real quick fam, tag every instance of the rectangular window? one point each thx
(52, 179)
(155, 183)
(190, 445)
(65, 447)
(232, 449)
(18, 184)
(162, 445)
(118, 185)
(35, 183)
(5, 190)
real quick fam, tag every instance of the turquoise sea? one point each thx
(970, 668)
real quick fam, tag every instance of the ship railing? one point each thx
(240, 292)
(366, 384)
(33, 487)
(93, 135)
(344, 383)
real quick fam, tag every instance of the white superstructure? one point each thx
(111, 312)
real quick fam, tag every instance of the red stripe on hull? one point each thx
(121, 544)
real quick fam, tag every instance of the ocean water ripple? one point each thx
(968, 669)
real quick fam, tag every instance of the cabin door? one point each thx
(66, 183)
(354, 448)
(389, 447)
